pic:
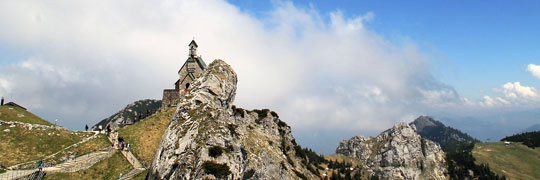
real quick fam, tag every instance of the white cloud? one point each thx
(516, 91)
(534, 70)
(503, 101)
(488, 101)
(515, 95)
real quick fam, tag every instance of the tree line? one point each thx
(529, 139)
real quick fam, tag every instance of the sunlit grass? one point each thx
(514, 161)
(144, 136)
(12, 113)
(21, 145)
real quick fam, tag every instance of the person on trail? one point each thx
(40, 165)
(108, 129)
(121, 142)
(100, 128)
(86, 128)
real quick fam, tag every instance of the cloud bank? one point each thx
(534, 70)
(326, 74)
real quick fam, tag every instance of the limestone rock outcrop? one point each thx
(209, 138)
(398, 153)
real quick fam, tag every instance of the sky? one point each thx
(330, 69)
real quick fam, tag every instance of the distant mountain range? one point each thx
(130, 114)
(436, 131)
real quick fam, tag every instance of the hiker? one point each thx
(121, 141)
(108, 129)
(86, 128)
(40, 165)
(100, 128)
(186, 90)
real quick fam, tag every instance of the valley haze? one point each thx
(332, 70)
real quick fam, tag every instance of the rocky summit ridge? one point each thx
(397, 153)
(447, 137)
(130, 114)
(209, 138)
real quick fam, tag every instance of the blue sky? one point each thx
(476, 45)
(331, 69)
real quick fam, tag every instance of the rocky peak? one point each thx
(209, 138)
(397, 153)
(425, 121)
(447, 137)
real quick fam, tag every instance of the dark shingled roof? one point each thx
(193, 42)
(201, 62)
(14, 104)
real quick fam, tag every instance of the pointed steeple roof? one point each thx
(194, 43)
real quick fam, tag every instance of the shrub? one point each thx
(218, 170)
(248, 174)
(274, 114)
(261, 113)
(232, 129)
(281, 124)
(300, 175)
(215, 151)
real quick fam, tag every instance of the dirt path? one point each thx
(137, 166)
(77, 164)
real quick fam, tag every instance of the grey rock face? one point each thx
(208, 138)
(398, 153)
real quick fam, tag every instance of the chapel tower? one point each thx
(190, 70)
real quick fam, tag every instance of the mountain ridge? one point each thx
(447, 137)
(130, 114)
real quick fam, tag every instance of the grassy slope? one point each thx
(515, 161)
(141, 176)
(99, 143)
(22, 145)
(144, 136)
(9, 113)
(109, 168)
(341, 158)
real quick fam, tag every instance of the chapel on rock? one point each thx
(191, 70)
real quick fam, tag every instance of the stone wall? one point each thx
(170, 96)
